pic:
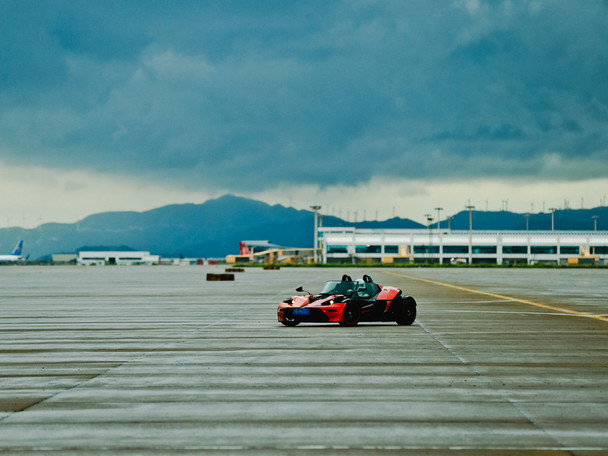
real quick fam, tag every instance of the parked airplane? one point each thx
(249, 247)
(244, 249)
(14, 256)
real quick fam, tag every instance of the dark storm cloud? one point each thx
(243, 94)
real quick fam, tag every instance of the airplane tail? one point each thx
(18, 249)
(244, 250)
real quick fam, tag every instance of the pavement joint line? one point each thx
(602, 317)
(492, 384)
(473, 368)
(98, 375)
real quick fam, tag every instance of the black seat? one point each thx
(366, 290)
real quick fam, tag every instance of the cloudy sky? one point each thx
(373, 108)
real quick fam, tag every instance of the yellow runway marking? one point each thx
(503, 297)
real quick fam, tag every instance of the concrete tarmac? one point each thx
(156, 360)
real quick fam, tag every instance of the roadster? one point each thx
(348, 302)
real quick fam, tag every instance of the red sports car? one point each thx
(348, 302)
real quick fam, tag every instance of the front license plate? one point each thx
(301, 311)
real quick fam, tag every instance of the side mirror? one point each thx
(300, 290)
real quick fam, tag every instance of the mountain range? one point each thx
(214, 228)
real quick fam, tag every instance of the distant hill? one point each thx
(211, 229)
(214, 228)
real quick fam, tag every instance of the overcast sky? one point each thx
(376, 107)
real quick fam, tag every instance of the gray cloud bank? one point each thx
(245, 95)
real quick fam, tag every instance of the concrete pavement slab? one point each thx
(155, 360)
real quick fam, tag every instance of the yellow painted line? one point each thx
(506, 298)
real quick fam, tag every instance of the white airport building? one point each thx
(352, 245)
(101, 258)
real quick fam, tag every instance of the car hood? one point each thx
(300, 301)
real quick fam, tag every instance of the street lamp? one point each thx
(316, 209)
(552, 209)
(438, 209)
(527, 215)
(429, 220)
(470, 209)
(595, 217)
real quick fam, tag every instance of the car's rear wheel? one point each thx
(406, 311)
(351, 315)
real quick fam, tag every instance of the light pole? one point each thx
(595, 217)
(552, 209)
(527, 215)
(470, 208)
(429, 219)
(438, 209)
(316, 209)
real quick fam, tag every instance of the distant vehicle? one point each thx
(14, 256)
(348, 302)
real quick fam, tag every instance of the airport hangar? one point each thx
(100, 258)
(353, 245)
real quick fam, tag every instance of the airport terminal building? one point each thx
(352, 245)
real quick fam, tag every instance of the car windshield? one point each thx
(342, 288)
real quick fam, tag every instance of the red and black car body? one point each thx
(348, 302)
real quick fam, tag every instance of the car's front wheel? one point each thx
(406, 311)
(290, 320)
(351, 315)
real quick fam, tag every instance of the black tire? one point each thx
(406, 311)
(290, 320)
(351, 315)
